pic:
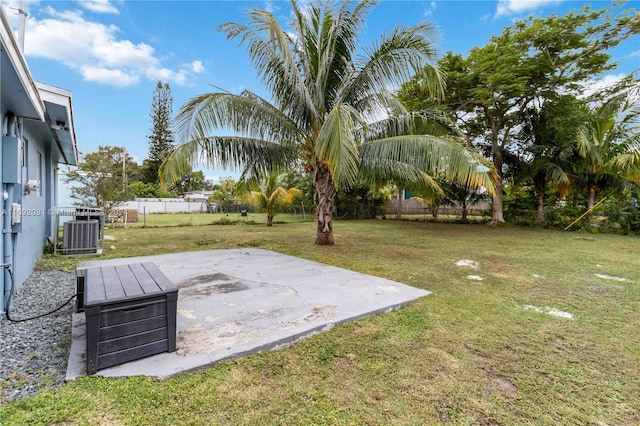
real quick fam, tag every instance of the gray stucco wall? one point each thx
(36, 217)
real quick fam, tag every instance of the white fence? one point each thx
(164, 205)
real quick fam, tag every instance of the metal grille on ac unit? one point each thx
(80, 236)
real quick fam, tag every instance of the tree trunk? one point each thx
(540, 218)
(593, 190)
(465, 210)
(497, 215)
(540, 185)
(399, 210)
(269, 219)
(497, 211)
(326, 192)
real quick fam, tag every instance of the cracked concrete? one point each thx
(232, 303)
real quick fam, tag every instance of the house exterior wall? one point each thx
(30, 150)
(36, 214)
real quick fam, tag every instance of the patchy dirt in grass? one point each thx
(549, 311)
(475, 277)
(502, 385)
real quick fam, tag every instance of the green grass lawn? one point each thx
(475, 352)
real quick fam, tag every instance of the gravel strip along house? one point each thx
(37, 136)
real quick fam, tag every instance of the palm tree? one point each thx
(270, 196)
(550, 130)
(609, 143)
(334, 110)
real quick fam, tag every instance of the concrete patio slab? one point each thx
(233, 303)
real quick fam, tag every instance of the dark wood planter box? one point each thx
(130, 313)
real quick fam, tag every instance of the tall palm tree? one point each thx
(609, 143)
(333, 108)
(550, 132)
(269, 195)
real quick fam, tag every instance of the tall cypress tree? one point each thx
(162, 138)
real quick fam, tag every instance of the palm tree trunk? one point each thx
(540, 218)
(497, 212)
(325, 191)
(399, 206)
(269, 219)
(540, 185)
(593, 190)
(465, 210)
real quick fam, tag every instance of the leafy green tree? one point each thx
(296, 178)
(433, 197)
(101, 177)
(550, 131)
(191, 181)
(360, 201)
(269, 195)
(463, 197)
(491, 89)
(148, 190)
(140, 189)
(224, 193)
(334, 111)
(162, 137)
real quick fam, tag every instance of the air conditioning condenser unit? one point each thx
(80, 236)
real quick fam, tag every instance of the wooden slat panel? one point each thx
(131, 314)
(133, 327)
(161, 280)
(146, 281)
(128, 342)
(94, 287)
(137, 302)
(112, 284)
(129, 281)
(134, 312)
(131, 354)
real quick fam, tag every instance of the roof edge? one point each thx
(19, 64)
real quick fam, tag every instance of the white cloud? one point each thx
(271, 7)
(595, 86)
(197, 67)
(99, 6)
(97, 52)
(430, 10)
(513, 7)
(113, 77)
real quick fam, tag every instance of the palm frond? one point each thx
(443, 156)
(246, 114)
(376, 170)
(556, 173)
(390, 62)
(336, 145)
(272, 53)
(229, 152)
(431, 122)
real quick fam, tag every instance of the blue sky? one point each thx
(111, 53)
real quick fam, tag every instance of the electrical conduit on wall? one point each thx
(10, 178)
